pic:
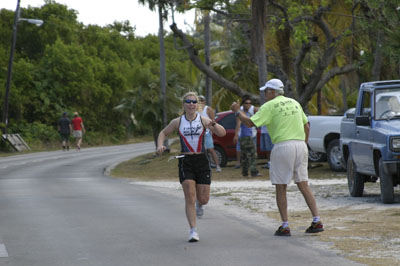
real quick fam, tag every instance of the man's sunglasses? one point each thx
(191, 101)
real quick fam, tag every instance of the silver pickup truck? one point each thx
(324, 140)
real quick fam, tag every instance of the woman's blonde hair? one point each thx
(190, 93)
(185, 96)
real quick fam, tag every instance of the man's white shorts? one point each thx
(289, 159)
(77, 133)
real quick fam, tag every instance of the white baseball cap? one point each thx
(275, 84)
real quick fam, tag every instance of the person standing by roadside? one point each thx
(288, 127)
(79, 129)
(194, 166)
(247, 136)
(64, 128)
(208, 112)
(238, 153)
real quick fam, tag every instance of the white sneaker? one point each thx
(194, 236)
(218, 169)
(199, 209)
(267, 165)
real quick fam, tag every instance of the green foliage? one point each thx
(35, 133)
(144, 105)
(374, 16)
(67, 66)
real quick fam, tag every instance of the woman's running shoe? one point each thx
(194, 236)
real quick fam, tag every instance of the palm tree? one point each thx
(161, 4)
(207, 56)
(258, 8)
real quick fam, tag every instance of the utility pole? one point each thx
(10, 65)
(17, 19)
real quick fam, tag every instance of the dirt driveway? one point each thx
(361, 229)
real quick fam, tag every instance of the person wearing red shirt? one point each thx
(79, 129)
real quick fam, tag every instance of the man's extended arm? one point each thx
(242, 116)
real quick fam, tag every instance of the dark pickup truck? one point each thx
(370, 139)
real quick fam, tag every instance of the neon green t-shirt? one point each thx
(283, 117)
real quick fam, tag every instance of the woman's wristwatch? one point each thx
(237, 113)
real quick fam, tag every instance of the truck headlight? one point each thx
(395, 144)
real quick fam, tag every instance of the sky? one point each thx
(102, 12)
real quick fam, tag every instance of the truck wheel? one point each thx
(386, 182)
(334, 156)
(354, 179)
(314, 156)
(221, 156)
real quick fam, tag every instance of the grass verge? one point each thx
(152, 167)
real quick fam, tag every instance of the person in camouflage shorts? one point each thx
(247, 138)
(249, 156)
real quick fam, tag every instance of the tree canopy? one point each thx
(67, 66)
(321, 49)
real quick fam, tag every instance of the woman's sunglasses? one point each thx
(191, 101)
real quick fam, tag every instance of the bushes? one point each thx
(36, 133)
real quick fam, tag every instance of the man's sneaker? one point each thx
(199, 209)
(237, 166)
(315, 227)
(194, 236)
(218, 169)
(266, 166)
(256, 174)
(283, 231)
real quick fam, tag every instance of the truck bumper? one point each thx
(391, 167)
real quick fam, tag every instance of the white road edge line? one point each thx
(3, 251)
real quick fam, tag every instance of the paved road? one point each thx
(59, 209)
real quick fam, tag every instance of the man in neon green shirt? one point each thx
(288, 127)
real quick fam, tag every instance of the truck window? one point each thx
(366, 104)
(387, 103)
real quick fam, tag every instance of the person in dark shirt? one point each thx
(64, 128)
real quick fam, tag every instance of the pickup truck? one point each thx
(324, 140)
(370, 139)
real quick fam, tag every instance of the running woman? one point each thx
(194, 166)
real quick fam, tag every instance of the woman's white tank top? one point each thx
(191, 134)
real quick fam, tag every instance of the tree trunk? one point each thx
(285, 52)
(163, 78)
(207, 56)
(343, 86)
(319, 102)
(155, 136)
(258, 8)
(317, 80)
(378, 57)
(193, 56)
